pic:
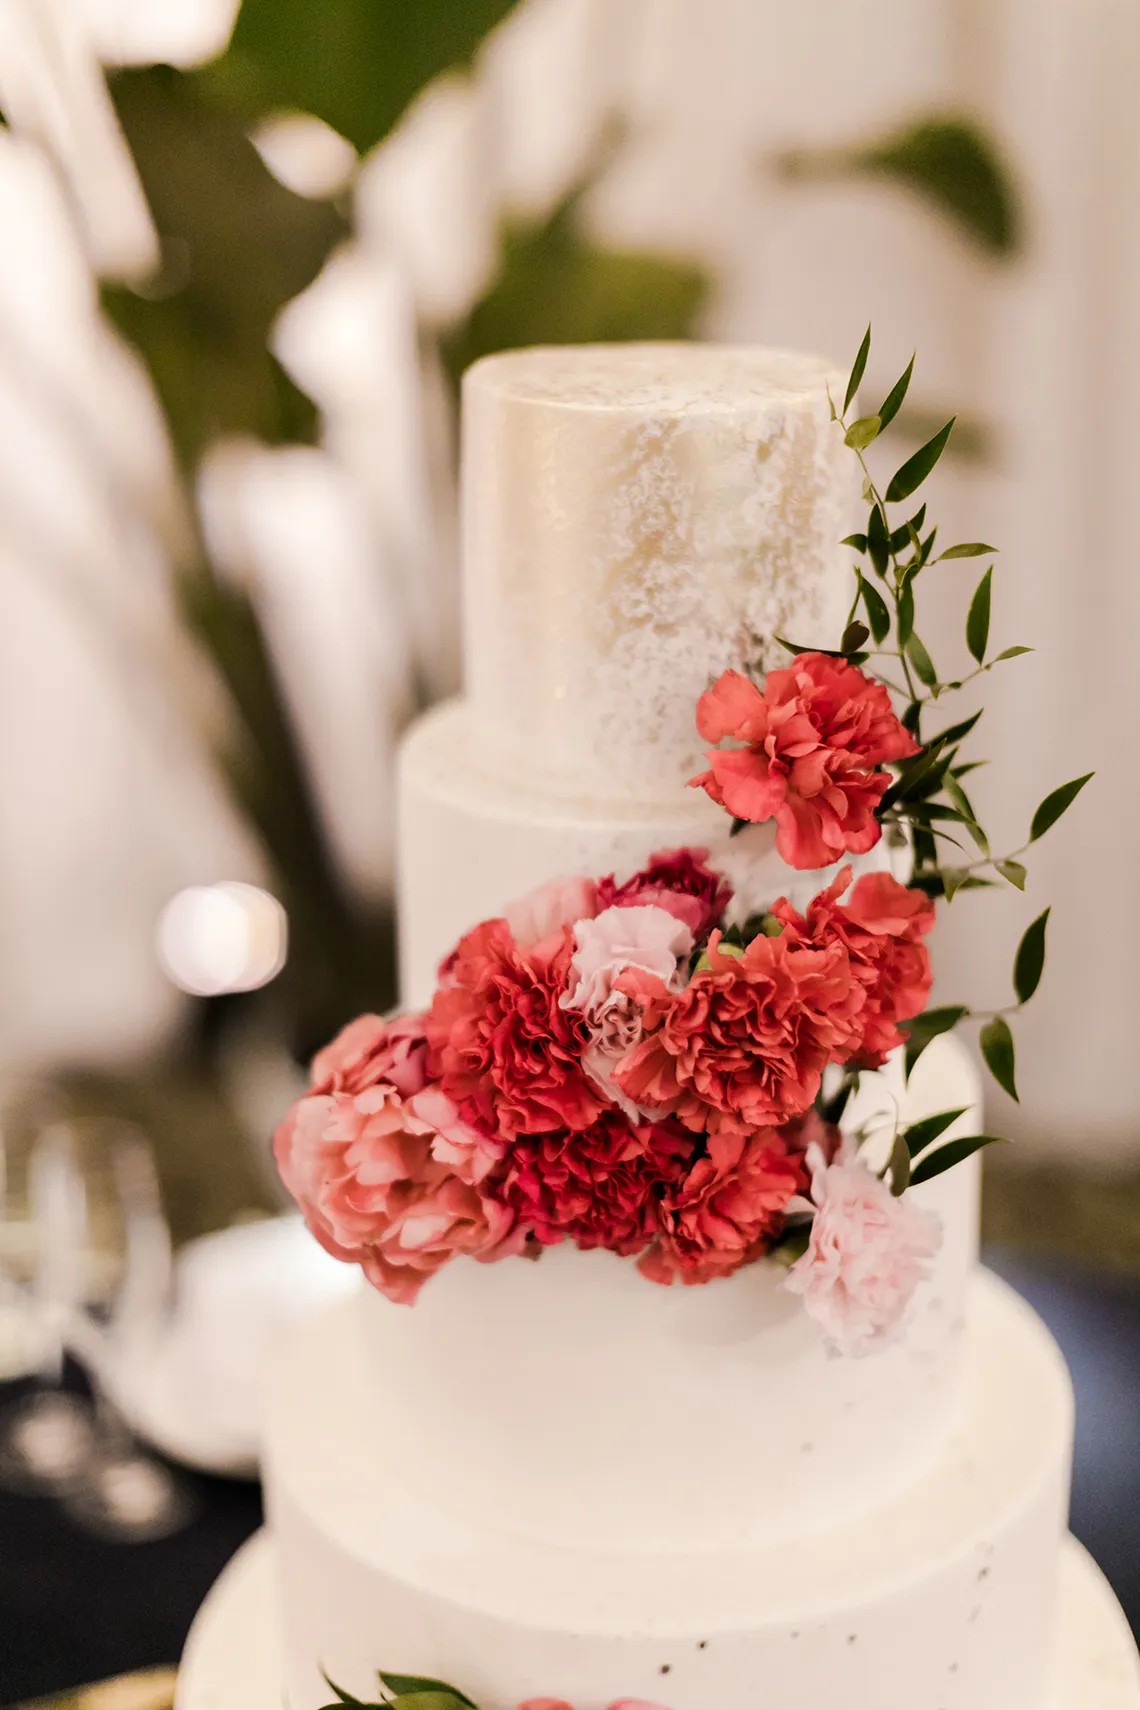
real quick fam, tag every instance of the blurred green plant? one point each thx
(950, 163)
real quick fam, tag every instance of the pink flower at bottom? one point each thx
(561, 1704)
(867, 1253)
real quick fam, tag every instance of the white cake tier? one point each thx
(635, 518)
(943, 1599)
(233, 1658)
(572, 1400)
(469, 844)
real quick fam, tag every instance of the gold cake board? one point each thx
(231, 1660)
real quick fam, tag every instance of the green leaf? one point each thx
(1010, 653)
(876, 608)
(954, 1152)
(899, 1166)
(916, 468)
(1014, 872)
(853, 637)
(905, 617)
(795, 647)
(878, 540)
(557, 286)
(923, 1028)
(356, 66)
(952, 164)
(414, 1683)
(978, 618)
(1030, 959)
(969, 818)
(857, 368)
(339, 1692)
(858, 541)
(955, 733)
(889, 408)
(954, 879)
(921, 1134)
(243, 246)
(996, 1042)
(1055, 804)
(443, 1699)
(861, 432)
(921, 661)
(968, 549)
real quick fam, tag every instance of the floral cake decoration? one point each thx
(418, 1692)
(621, 1062)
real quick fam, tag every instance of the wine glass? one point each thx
(47, 1437)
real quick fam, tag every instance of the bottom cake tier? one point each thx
(233, 1659)
(944, 1599)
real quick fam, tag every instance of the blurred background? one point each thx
(249, 249)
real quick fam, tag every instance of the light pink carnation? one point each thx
(549, 908)
(469, 1152)
(362, 1167)
(371, 1049)
(621, 958)
(867, 1252)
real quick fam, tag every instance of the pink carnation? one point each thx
(361, 1167)
(867, 1252)
(598, 1188)
(621, 958)
(678, 880)
(548, 909)
(744, 1045)
(880, 926)
(500, 1045)
(728, 1209)
(561, 1704)
(813, 745)
(371, 1049)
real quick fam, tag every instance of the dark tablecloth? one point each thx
(74, 1609)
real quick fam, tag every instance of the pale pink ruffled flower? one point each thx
(361, 1166)
(549, 908)
(470, 1154)
(622, 957)
(867, 1252)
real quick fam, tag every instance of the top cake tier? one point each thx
(635, 519)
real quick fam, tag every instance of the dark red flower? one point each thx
(600, 1187)
(729, 1208)
(678, 880)
(500, 1046)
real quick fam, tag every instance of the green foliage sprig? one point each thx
(927, 799)
(403, 1692)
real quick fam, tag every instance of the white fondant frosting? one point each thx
(233, 1658)
(576, 1402)
(942, 1599)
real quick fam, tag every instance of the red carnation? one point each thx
(744, 1045)
(813, 742)
(880, 926)
(499, 1045)
(678, 880)
(728, 1210)
(600, 1187)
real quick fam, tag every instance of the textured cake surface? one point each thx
(635, 518)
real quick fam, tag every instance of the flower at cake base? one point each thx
(622, 959)
(814, 741)
(678, 880)
(499, 1044)
(600, 1187)
(561, 1704)
(728, 1210)
(880, 925)
(744, 1045)
(362, 1163)
(867, 1252)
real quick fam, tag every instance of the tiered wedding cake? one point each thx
(554, 1479)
